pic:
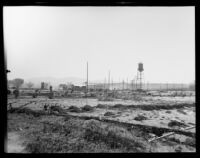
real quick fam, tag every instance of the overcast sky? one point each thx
(58, 42)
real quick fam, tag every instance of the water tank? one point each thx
(140, 67)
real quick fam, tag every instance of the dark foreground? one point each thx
(39, 132)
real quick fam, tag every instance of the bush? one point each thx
(87, 108)
(101, 106)
(58, 109)
(140, 118)
(118, 106)
(181, 111)
(176, 123)
(74, 109)
(109, 113)
(190, 142)
(35, 113)
(114, 137)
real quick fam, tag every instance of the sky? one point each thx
(59, 41)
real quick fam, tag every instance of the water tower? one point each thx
(139, 76)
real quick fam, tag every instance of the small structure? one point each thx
(139, 76)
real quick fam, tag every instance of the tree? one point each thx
(29, 84)
(44, 85)
(18, 82)
(63, 86)
(70, 85)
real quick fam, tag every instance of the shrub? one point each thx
(176, 123)
(114, 137)
(74, 109)
(140, 118)
(109, 113)
(87, 108)
(27, 111)
(118, 106)
(102, 106)
(58, 109)
(181, 111)
(190, 142)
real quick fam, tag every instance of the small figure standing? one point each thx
(35, 94)
(16, 93)
(10, 106)
(51, 93)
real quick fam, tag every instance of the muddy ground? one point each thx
(117, 126)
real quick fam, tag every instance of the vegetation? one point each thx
(174, 123)
(29, 84)
(74, 109)
(140, 118)
(74, 135)
(17, 82)
(109, 113)
(87, 108)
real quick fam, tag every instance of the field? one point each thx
(89, 125)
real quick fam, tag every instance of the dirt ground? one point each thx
(15, 143)
(129, 124)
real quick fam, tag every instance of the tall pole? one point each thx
(132, 84)
(167, 86)
(104, 84)
(119, 84)
(140, 80)
(87, 85)
(137, 78)
(112, 84)
(109, 80)
(127, 83)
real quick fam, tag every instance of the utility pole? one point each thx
(119, 85)
(87, 85)
(109, 80)
(132, 85)
(112, 84)
(104, 84)
(140, 80)
(127, 84)
(136, 82)
(167, 86)
(87, 79)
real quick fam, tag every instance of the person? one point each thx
(35, 94)
(51, 93)
(10, 106)
(16, 93)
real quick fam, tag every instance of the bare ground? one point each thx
(15, 143)
(73, 127)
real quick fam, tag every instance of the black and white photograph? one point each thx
(100, 79)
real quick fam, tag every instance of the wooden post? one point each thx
(168, 134)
